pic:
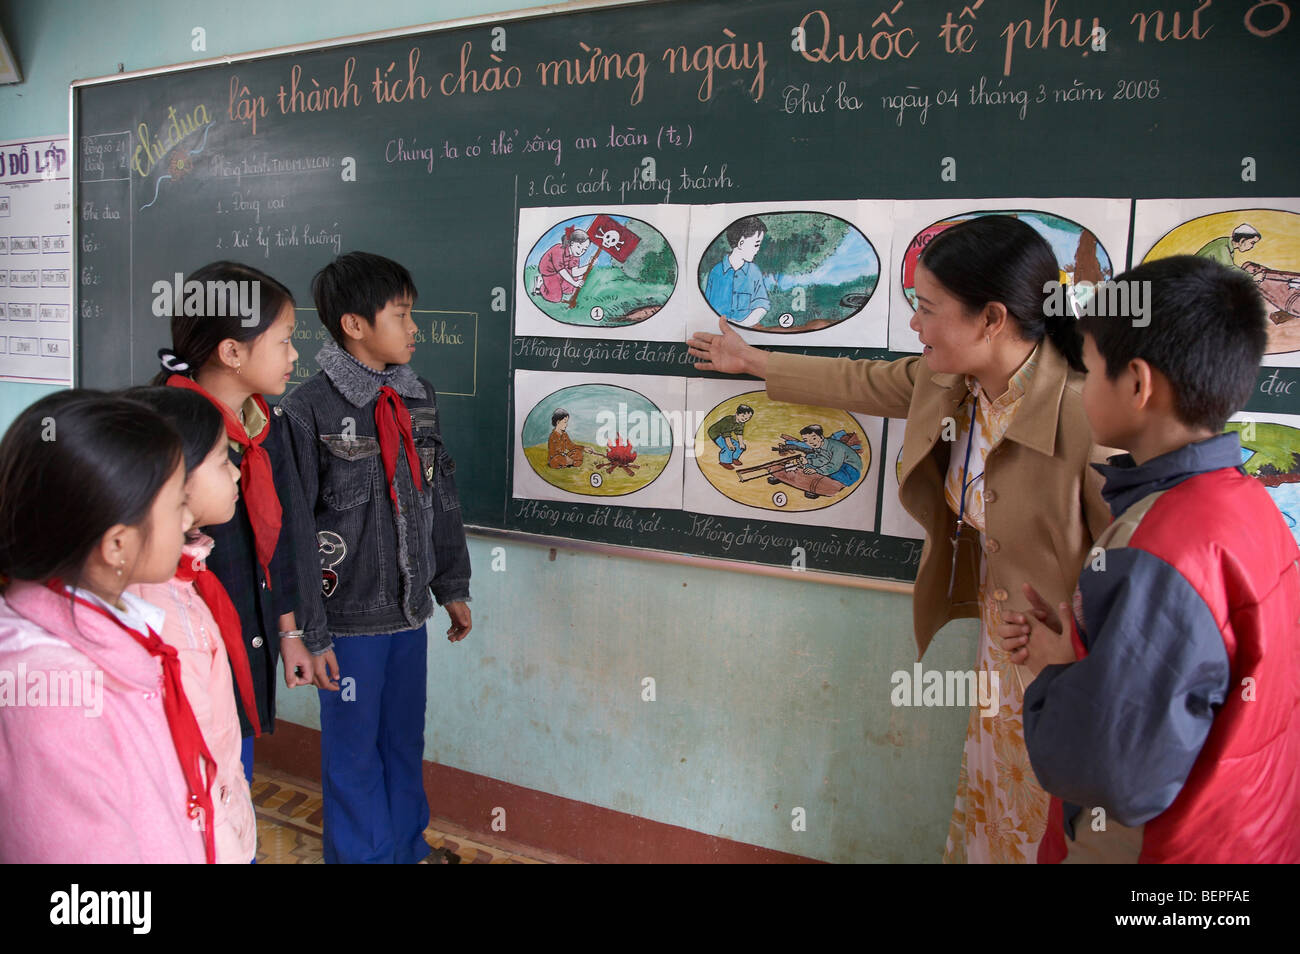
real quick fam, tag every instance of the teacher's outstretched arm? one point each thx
(879, 388)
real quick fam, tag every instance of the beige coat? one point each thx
(1043, 504)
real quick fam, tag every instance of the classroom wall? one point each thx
(770, 694)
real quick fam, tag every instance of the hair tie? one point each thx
(172, 362)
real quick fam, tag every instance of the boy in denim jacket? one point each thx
(368, 448)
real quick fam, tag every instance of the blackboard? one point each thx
(423, 145)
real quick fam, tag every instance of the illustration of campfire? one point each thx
(618, 455)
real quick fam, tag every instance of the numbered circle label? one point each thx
(597, 480)
(786, 320)
(598, 314)
(780, 499)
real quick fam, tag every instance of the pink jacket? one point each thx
(209, 686)
(97, 781)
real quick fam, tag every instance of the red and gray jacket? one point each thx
(1176, 738)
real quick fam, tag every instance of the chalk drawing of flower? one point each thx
(181, 165)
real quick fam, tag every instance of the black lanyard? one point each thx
(961, 506)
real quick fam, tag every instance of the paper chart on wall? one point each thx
(599, 439)
(609, 271)
(1259, 236)
(792, 273)
(761, 459)
(894, 520)
(1270, 452)
(36, 331)
(1089, 237)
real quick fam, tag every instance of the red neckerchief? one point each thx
(256, 485)
(393, 424)
(190, 747)
(232, 630)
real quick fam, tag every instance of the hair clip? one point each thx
(172, 362)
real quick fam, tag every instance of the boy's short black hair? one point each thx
(744, 228)
(358, 283)
(1206, 335)
(558, 415)
(811, 429)
(744, 409)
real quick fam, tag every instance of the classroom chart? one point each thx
(36, 284)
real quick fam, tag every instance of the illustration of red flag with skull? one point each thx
(618, 240)
(608, 236)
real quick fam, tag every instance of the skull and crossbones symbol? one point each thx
(610, 238)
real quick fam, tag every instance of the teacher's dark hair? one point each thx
(196, 337)
(72, 465)
(1000, 258)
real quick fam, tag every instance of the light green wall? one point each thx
(770, 694)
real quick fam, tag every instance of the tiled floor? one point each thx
(289, 829)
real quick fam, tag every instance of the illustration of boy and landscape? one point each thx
(582, 437)
(781, 457)
(1270, 452)
(790, 274)
(755, 457)
(1262, 240)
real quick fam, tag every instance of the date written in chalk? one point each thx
(808, 99)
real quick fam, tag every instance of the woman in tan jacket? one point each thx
(995, 468)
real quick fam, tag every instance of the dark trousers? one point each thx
(372, 751)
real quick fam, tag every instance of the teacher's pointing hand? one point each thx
(726, 352)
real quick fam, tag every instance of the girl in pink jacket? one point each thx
(213, 661)
(101, 758)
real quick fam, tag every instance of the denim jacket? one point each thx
(380, 563)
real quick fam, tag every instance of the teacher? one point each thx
(995, 468)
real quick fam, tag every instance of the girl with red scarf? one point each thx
(233, 358)
(103, 759)
(201, 622)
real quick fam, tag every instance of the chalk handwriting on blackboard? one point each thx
(594, 66)
(888, 37)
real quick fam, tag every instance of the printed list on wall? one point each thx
(36, 261)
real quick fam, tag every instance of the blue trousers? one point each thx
(847, 475)
(246, 757)
(372, 751)
(726, 455)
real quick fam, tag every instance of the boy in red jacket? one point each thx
(1166, 720)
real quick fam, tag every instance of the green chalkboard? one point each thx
(425, 146)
